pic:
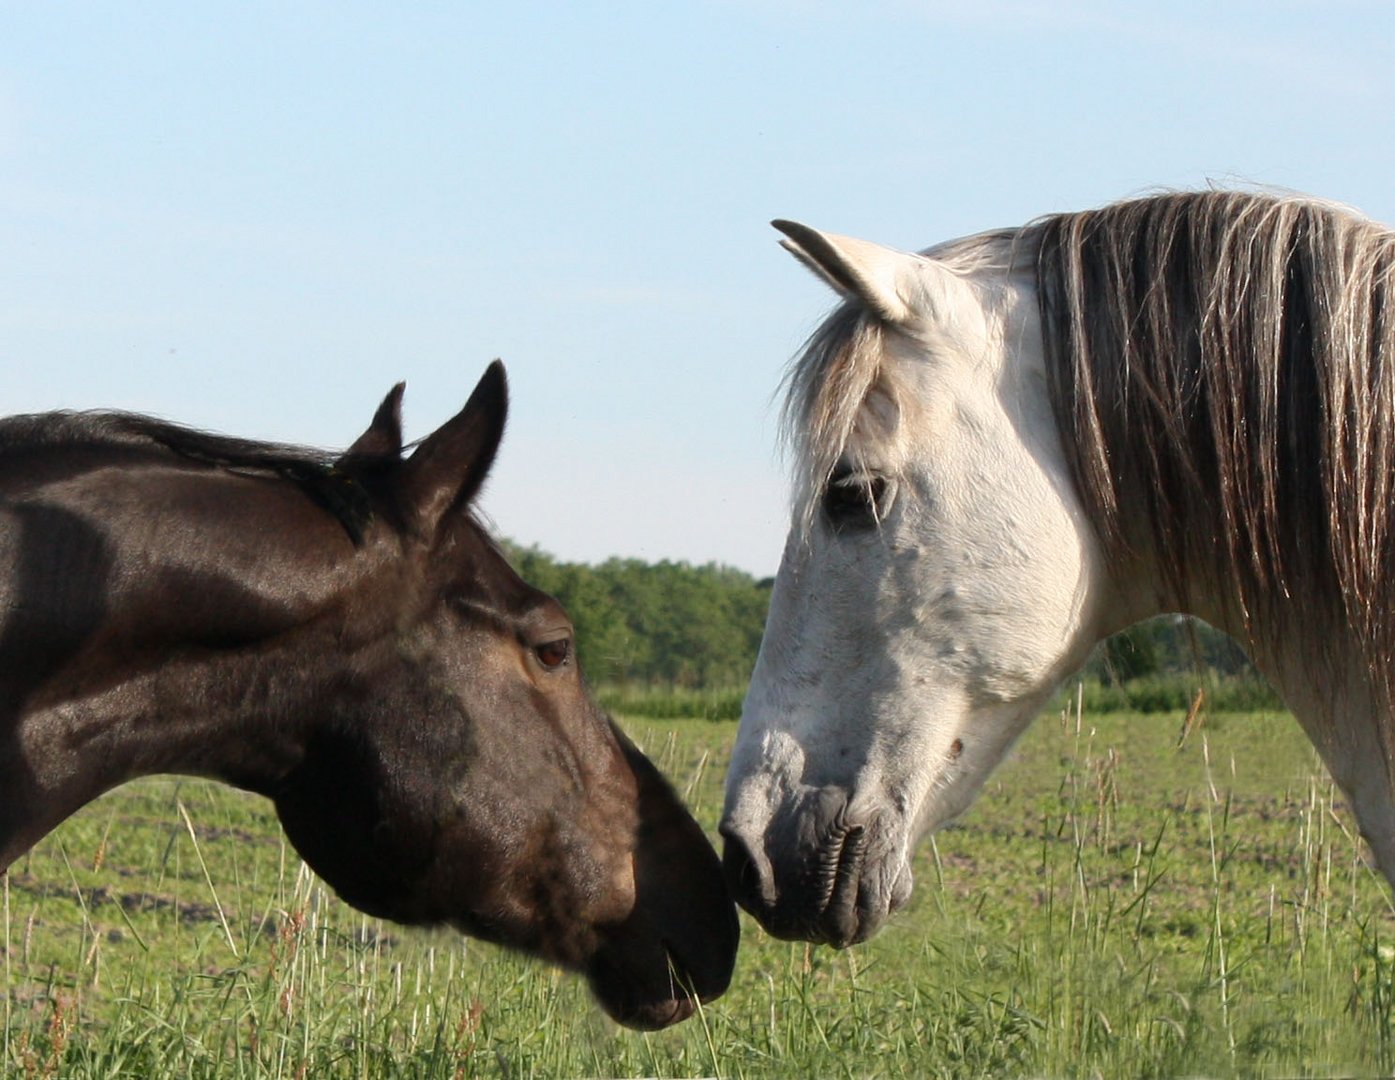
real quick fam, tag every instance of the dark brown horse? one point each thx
(341, 636)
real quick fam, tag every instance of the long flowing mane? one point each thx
(1222, 367)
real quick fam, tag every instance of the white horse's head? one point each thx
(940, 578)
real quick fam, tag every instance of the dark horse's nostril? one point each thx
(742, 872)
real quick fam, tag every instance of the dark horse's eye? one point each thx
(553, 654)
(854, 500)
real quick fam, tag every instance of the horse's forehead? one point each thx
(473, 575)
(926, 381)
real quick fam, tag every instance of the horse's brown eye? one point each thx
(553, 654)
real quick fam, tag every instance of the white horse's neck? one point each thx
(1339, 709)
(1332, 697)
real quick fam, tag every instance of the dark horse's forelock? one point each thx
(1222, 365)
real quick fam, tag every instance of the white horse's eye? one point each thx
(855, 500)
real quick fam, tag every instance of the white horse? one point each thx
(1018, 443)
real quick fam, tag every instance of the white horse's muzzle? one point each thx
(816, 871)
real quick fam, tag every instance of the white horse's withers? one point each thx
(1016, 444)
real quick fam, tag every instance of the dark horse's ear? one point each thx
(447, 469)
(383, 439)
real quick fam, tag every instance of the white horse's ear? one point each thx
(858, 269)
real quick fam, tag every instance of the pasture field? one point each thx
(1113, 905)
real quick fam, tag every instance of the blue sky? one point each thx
(257, 217)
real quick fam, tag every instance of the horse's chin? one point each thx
(646, 989)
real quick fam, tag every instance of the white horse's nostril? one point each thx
(753, 889)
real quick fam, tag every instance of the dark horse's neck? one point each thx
(161, 618)
(218, 717)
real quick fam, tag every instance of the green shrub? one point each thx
(1172, 692)
(672, 702)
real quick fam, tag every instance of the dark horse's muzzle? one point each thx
(679, 945)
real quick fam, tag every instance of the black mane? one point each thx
(314, 471)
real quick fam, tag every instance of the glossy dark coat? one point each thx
(341, 636)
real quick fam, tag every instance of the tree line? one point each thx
(657, 624)
(676, 625)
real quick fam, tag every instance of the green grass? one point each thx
(1112, 906)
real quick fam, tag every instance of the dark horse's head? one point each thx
(462, 773)
(343, 637)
